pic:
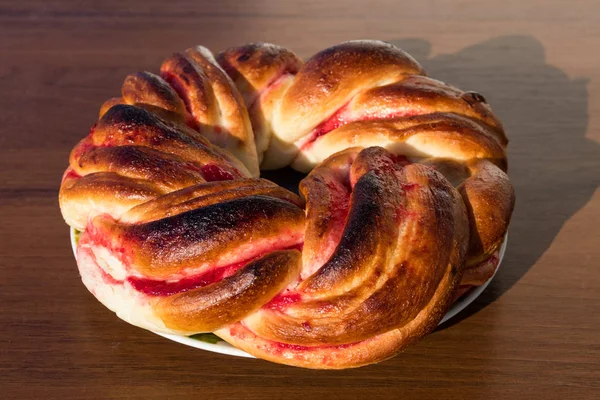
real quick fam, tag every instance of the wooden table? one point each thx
(533, 334)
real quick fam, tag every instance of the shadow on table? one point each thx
(553, 167)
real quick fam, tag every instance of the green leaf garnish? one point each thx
(207, 337)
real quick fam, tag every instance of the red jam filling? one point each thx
(462, 290)
(409, 186)
(272, 85)
(242, 332)
(174, 81)
(212, 172)
(190, 121)
(108, 279)
(492, 261)
(296, 347)
(154, 287)
(164, 288)
(402, 214)
(71, 174)
(86, 144)
(335, 121)
(176, 84)
(98, 238)
(340, 203)
(339, 118)
(400, 160)
(282, 301)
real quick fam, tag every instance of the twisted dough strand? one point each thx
(180, 236)
(369, 93)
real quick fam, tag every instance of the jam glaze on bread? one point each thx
(369, 93)
(404, 209)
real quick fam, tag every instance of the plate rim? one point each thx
(222, 347)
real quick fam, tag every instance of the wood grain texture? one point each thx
(533, 334)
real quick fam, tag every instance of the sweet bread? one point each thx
(404, 209)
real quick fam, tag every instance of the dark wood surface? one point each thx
(533, 334)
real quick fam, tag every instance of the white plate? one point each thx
(204, 342)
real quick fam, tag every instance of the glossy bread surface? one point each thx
(407, 189)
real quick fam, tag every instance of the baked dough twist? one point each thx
(407, 196)
(370, 93)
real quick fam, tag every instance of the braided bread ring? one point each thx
(408, 189)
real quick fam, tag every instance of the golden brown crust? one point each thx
(149, 91)
(128, 125)
(408, 204)
(400, 255)
(205, 194)
(101, 193)
(490, 200)
(166, 171)
(213, 101)
(193, 240)
(327, 193)
(211, 307)
(332, 77)
(147, 88)
(130, 157)
(422, 136)
(343, 318)
(107, 105)
(353, 355)
(422, 95)
(254, 66)
(262, 72)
